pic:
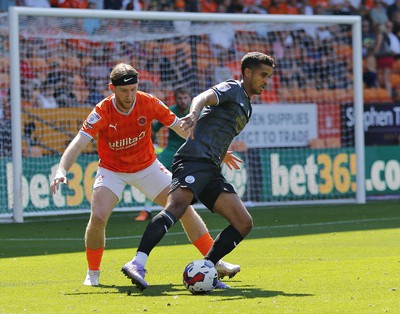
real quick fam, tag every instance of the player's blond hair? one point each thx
(122, 69)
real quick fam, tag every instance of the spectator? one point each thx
(391, 9)
(69, 4)
(45, 96)
(368, 36)
(64, 95)
(112, 4)
(370, 76)
(91, 25)
(34, 3)
(222, 72)
(384, 56)
(161, 65)
(208, 6)
(396, 23)
(306, 8)
(378, 13)
(235, 7)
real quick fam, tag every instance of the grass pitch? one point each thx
(319, 259)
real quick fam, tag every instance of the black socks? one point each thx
(155, 231)
(224, 243)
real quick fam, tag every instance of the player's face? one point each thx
(182, 101)
(256, 80)
(125, 96)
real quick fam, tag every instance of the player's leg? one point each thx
(197, 232)
(155, 231)
(103, 202)
(145, 214)
(230, 206)
(106, 187)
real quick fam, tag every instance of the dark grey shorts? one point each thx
(202, 177)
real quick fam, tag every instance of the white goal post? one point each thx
(293, 183)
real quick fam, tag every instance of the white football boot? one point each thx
(92, 278)
(226, 269)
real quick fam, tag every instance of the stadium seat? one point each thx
(396, 67)
(327, 95)
(343, 51)
(369, 95)
(297, 95)
(317, 143)
(333, 142)
(383, 95)
(284, 95)
(311, 95)
(395, 79)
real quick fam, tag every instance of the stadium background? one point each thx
(72, 65)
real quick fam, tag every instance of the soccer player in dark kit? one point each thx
(196, 171)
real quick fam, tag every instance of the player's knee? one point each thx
(98, 220)
(246, 225)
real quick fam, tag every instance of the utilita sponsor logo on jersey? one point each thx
(126, 142)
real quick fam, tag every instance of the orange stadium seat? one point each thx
(317, 143)
(333, 142)
(343, 51)
(284, 95)
(311, 95)
(383, 95)
(396, 66)
(297, 95)
(395, 79)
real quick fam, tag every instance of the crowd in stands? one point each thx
(306, 68)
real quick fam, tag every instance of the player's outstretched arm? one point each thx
(232, 161)
(67, 159)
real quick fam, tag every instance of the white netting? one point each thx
(65, 63)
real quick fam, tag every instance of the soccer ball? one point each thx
(200, 277)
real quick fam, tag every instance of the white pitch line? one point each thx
(316, 224)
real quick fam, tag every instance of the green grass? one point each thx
(320, 259)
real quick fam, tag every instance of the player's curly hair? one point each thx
(253, 59)
(122, 69)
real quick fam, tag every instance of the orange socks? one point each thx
(94, 258)
(204, 243)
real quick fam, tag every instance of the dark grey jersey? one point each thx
(218, 125)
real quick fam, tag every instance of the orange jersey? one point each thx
(124, 139)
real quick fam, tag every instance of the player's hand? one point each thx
(232, 161)
(188, 123)
(60, 177)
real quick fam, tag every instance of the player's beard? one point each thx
(124, 105)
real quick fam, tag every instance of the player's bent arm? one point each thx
(207, 98)
(69, 156)
(177, 129)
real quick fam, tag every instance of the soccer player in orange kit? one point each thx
(122, 122)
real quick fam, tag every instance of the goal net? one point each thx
(297, 147)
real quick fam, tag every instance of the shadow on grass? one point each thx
(235, 293)
(64, 234)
